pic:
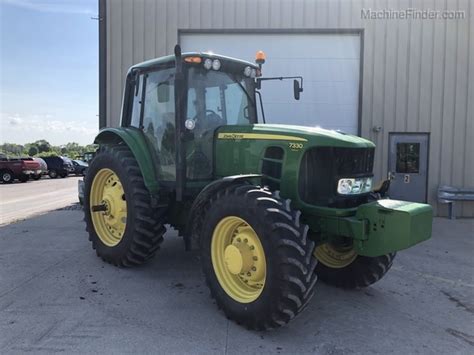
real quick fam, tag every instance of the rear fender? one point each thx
(135, 140)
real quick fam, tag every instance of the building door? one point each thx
(408, 166)
(329, 64)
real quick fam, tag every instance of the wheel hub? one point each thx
(109, 221)
(238, 259)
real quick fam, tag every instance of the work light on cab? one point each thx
(216, 64)
(208, 63)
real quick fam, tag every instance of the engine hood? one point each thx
(307, 135)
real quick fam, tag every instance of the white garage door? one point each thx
(329, 64)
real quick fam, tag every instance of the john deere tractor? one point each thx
(270, 208)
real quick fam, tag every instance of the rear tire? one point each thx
(361, 272)
(53, 174)
(289, 279)
(143, 230)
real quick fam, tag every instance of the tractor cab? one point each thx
(190, 98)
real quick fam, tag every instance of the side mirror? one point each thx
(296, 89)
(163, 91)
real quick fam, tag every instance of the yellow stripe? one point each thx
(259, 136)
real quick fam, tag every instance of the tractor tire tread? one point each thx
(295, 261)
(148, 226)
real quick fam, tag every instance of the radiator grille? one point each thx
(322, 167)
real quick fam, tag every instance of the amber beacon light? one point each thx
(260, 58)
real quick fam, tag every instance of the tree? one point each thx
(43, 145)
(33, 150)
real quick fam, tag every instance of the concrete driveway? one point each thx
(22, 200)
(57, 296)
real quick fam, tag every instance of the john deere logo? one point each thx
(231, 136)
(259, 136)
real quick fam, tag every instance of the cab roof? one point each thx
(170, 58)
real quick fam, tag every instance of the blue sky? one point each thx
(48, 71)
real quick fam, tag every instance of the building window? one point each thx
(408, 158)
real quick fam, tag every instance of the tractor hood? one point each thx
(292, 133)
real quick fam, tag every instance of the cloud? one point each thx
(22, 129)
(14, 120)
(54, 6)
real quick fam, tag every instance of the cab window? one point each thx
(159, 120)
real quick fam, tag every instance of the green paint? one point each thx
(243, 156)
(377, 228)
(393, 225)
(136, 141)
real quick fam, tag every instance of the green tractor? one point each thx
(271, 208)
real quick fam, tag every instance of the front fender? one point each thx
(135, 140)
(192, 230)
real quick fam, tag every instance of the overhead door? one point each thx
(329, 64)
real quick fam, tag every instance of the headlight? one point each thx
(216, 64)
(208, 63)
(354, 186)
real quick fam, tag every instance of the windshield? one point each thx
(218, 98)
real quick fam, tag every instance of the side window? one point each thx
(213, 100)
(137, 104)
(236, 105)
(158, 120)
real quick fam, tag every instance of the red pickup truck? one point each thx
(11, 169)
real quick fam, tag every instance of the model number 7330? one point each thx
(295, 146)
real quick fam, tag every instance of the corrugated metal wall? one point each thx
(418, 75)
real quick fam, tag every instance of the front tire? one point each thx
(257, 259)
(127, 230)
(6, 177)
(36, 177)
(342, 267)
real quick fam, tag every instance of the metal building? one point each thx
(395, 72)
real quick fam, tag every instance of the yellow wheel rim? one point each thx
(238, 259)
(335, 257)
(107, 194)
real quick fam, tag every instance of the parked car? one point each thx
(44, 168)
(88, 156)
(80, 167)
(58, 166)
(11, 169)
